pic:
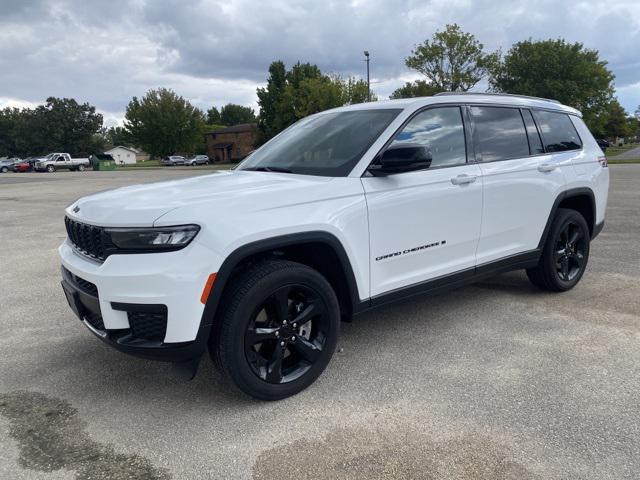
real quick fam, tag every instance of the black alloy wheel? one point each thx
(276, 329)
(287, 335)
(565, 254)
(569, 251)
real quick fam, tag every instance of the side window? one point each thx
(558, 131)
(535, 144)
(499, 133)
(440, 130)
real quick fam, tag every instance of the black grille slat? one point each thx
(147, 325)
(84, 285)
(87, 239)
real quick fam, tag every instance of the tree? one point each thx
(163, 123)
(232, 114)
(301, 91)
(213, 116)
(614, 121)
(271, 120)
(61, 124)
(452, 60)
(556, 69)
(419, 88)
(115, 136)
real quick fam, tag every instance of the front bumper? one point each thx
(119, 304)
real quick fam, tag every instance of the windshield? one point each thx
(328, 144)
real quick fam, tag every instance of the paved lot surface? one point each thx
(497, 380)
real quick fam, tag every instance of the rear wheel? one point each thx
(565, 255)
(278, 329)
(4, 169)
(81, 168)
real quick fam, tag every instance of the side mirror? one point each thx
(400, 158)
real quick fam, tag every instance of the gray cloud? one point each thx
(215, 51)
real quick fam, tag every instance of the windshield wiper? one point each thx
(268, 169)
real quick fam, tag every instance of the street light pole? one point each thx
(366, 54)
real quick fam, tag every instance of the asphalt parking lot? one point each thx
(496, 380)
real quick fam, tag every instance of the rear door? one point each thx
(425, 224)
(521, 181)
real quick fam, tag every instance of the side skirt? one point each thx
(454, 280)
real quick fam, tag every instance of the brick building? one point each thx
(231, 143)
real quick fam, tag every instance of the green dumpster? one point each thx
(102, 162)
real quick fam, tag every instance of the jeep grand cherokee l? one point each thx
(342, 212)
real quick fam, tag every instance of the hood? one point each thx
(142, 205)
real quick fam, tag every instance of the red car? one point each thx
(22, 167)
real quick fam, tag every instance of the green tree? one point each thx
(213, 116)
(271, 120)
(163, 123)
(301, 91)
(70, 126)
(615, 122)
(232, 114)
(61, 124)
(419, 88)
(117, 135)
(556, 69)
(452, 60)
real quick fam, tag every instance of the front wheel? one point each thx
(4, 169)
(565, 254)
(278, 328)
(51, 168)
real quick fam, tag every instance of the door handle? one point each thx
(546, 167)
(463, 179)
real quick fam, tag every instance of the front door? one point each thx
(425, 224)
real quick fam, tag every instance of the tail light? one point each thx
(603, 161)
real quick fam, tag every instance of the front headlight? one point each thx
(152, 239)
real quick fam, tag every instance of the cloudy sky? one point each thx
(213, 52)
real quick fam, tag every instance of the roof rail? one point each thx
(442, 94)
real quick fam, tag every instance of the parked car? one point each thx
(346, 210)
(6, 165)
(23, 166)
(173, 160)
(60, 161)
(197, 160)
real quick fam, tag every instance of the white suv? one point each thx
(344, 211)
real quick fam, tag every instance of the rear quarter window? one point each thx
(558, 132)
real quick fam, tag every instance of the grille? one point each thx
(84, 285)
(147, 325)
(95, 320)
(88, 239)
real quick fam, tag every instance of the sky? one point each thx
(214, 52)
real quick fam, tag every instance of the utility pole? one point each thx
(366, 55)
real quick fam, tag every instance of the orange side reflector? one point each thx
(207, 287)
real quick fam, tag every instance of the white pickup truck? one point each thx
(58, 161)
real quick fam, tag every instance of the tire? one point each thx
(81, 168)
(565, 254)
(247, 344)
(51, 168)
(4, 169)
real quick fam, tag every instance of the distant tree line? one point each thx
(162, 122)
(453, 60)
(61, 123)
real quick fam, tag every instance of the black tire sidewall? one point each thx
(564, 217)
(233, 331)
